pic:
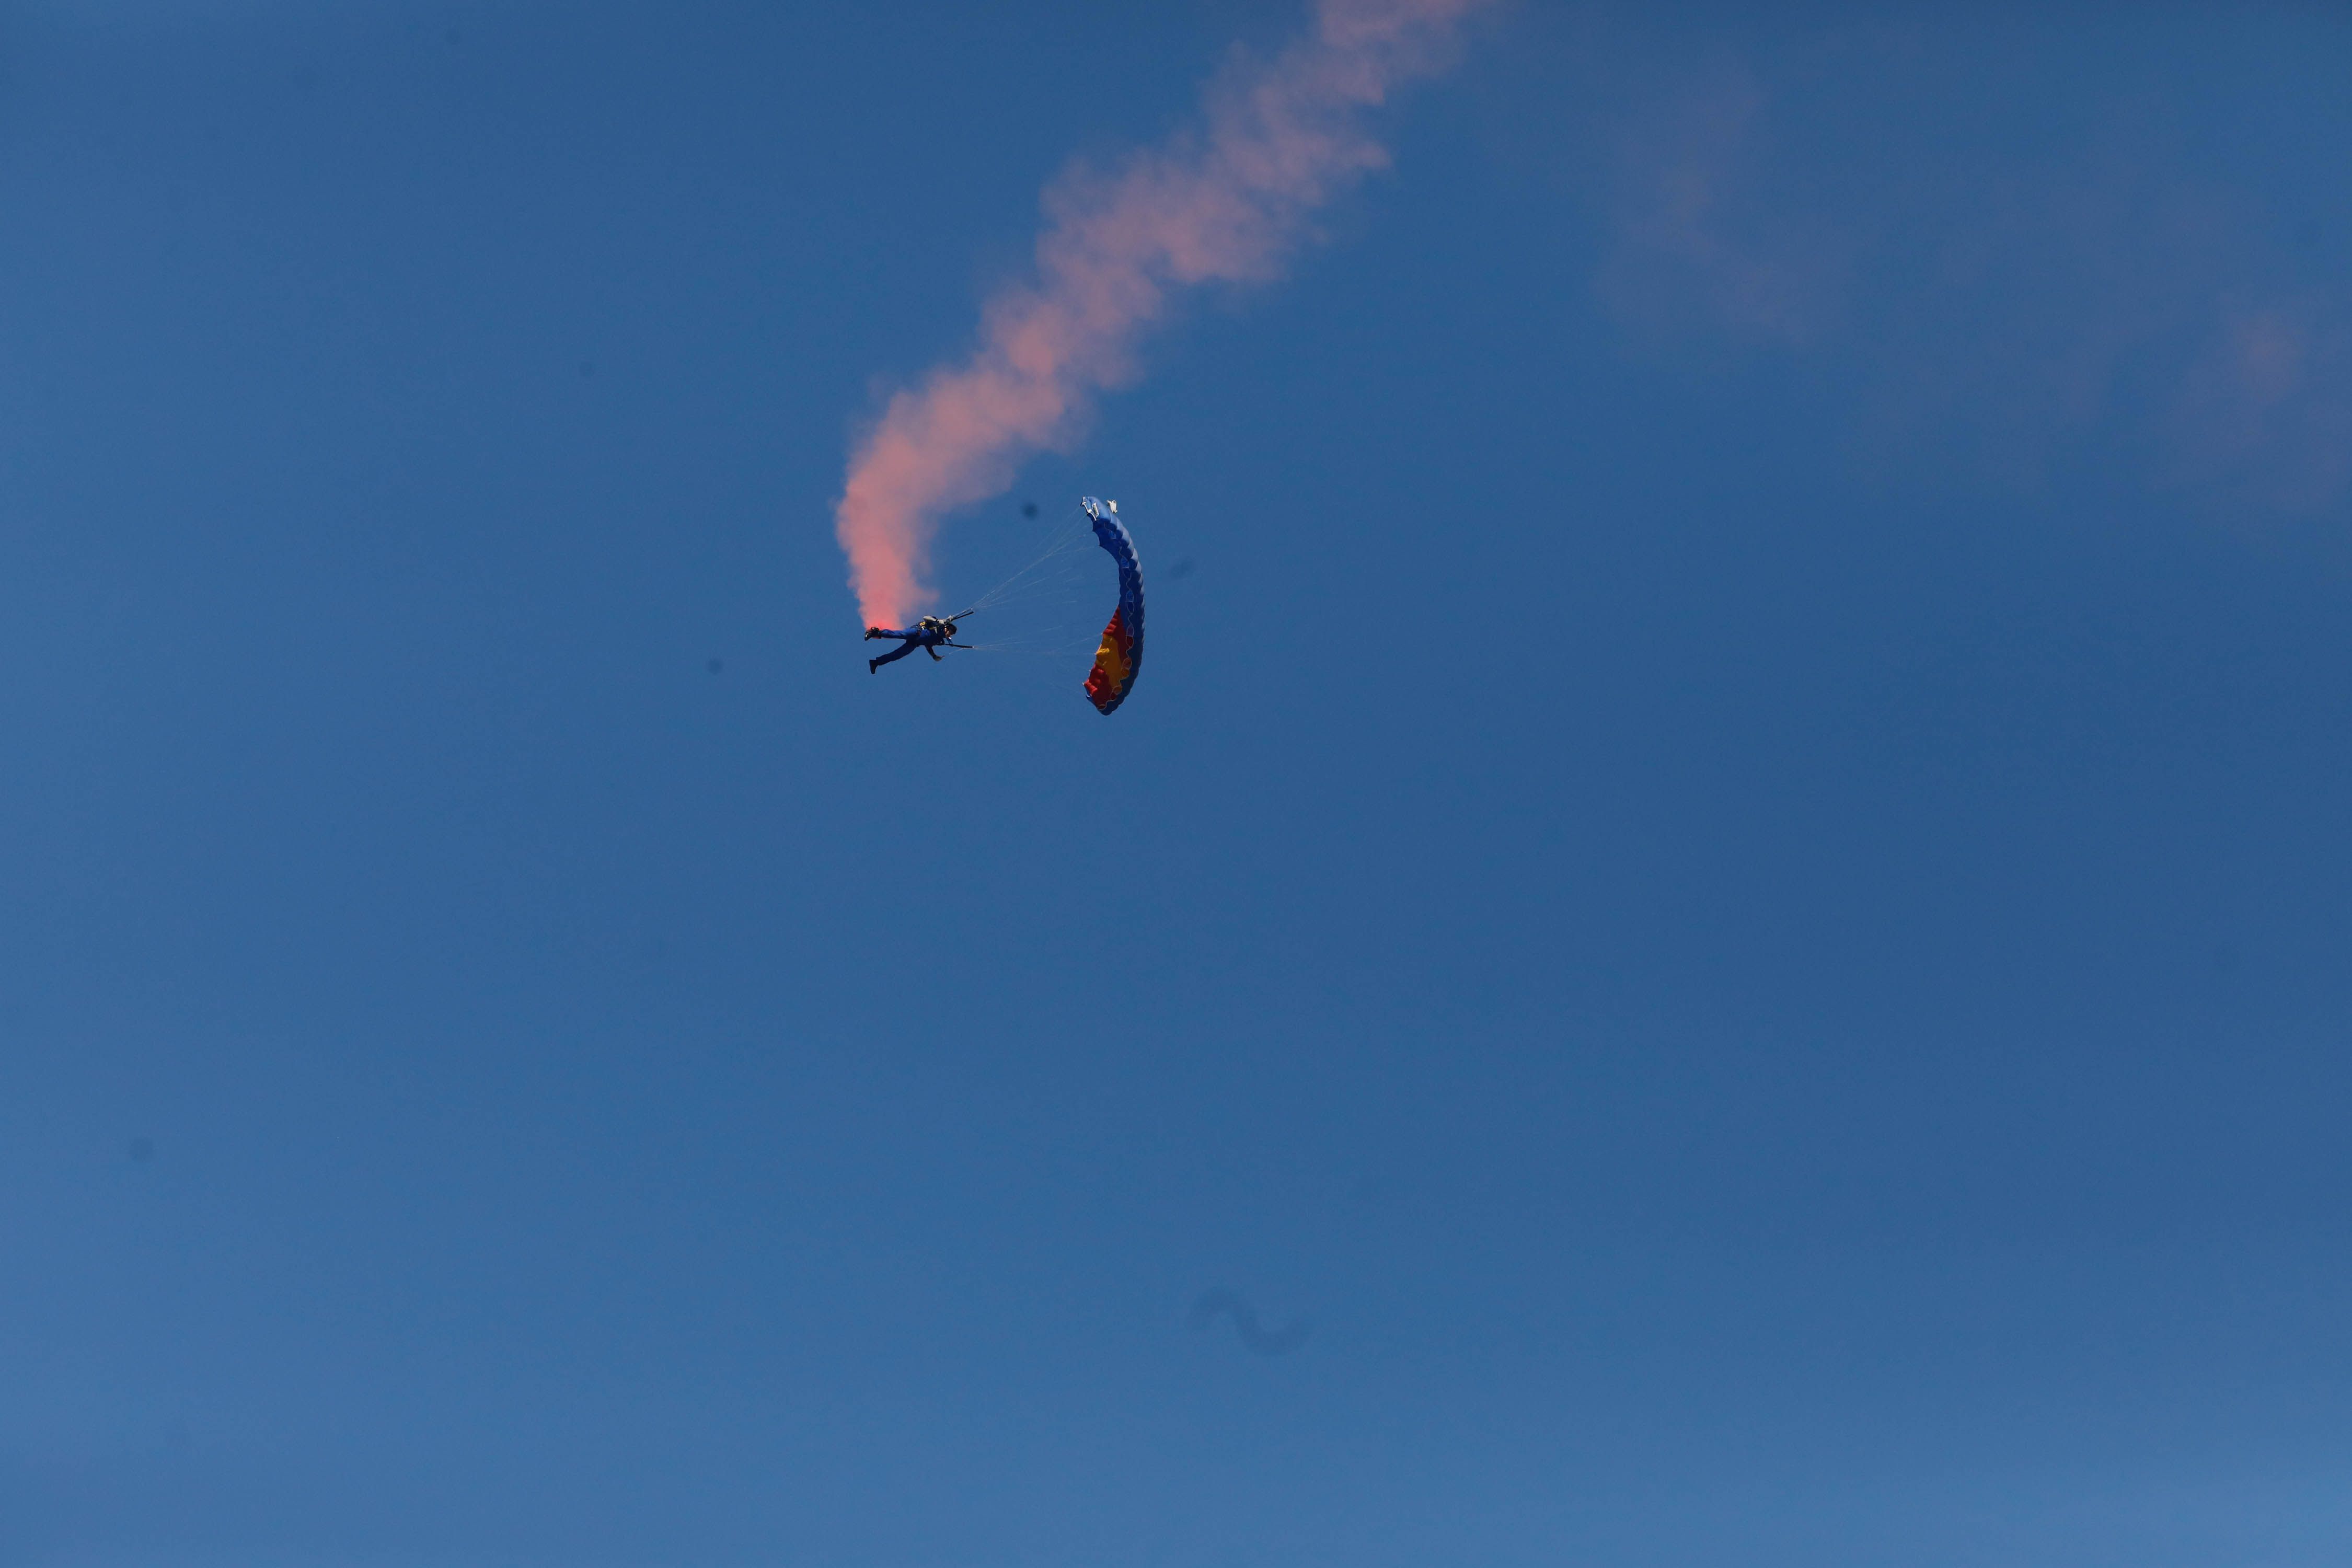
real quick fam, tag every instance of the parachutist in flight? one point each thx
(930, 634)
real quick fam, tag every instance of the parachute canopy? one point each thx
(1120, 658)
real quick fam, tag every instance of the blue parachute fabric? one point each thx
(1120, 659)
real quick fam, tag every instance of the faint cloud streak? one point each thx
(2103, 284)
(2267, 409)
(1693, 248)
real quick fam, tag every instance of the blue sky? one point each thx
(1728, 873)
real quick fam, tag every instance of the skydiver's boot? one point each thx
(873, 667)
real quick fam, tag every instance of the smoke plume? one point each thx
(1226, 201)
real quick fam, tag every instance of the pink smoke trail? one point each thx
(1225, 202)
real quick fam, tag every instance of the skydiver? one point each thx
(930, 634)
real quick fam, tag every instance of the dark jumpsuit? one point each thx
(913, 637)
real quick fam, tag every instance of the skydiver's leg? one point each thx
(901, 651)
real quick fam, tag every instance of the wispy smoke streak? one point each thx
(1225, 202)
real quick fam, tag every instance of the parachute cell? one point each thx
(1120, 658)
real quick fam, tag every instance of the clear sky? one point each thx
(1729, 881)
